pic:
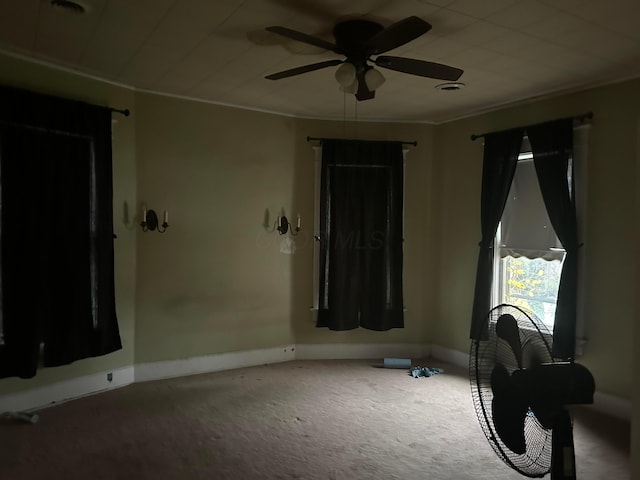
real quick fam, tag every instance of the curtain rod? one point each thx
(22, 91)
(579, 118)
(316, 139)
(124, 112)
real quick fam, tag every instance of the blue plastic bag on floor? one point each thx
(420, 372)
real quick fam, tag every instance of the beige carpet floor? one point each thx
(324, 420)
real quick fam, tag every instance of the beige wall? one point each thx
(17, 73)
(610, 245)
(216, 280)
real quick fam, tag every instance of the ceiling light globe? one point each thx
(351, 88)
(346, 74)
(374, 79)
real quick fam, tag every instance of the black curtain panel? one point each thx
(361, 235)
(501, 150)
(56, 237)
(552, 146)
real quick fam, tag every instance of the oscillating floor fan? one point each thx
(521, 395)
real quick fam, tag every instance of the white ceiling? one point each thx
(218, 50)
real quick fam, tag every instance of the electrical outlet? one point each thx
(109, 377)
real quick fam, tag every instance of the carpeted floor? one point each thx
(324, 420)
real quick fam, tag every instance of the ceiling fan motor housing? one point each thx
(352, 37)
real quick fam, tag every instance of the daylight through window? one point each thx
(530, 256)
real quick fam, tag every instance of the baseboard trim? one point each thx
(145, 372)
(455, 357)
(612, 405)
(602, 402)
(66, 390)
(345, 351)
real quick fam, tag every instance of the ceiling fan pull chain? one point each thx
(344, 112)
(356, 120)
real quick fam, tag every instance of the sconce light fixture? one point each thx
(284, 226)
(150, 221)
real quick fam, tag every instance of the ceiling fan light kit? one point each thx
(359, 40)
(348, 77)
(346, 74)
(352, 88)
(374, 79)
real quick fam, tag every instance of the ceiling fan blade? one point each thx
(396, 35)
(304, 69)
(563, 460)
(303, 37)
(507, 329)
(419, 67)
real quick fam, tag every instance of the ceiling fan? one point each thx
(358, 40)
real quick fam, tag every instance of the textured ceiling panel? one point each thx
(219, 51)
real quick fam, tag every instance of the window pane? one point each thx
(525, 221)
(531, 284)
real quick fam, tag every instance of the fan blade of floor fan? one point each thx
(532, 355)
(508, 420)
(396, 35)
(563, 461)
(507, 329)
(303, 37)
(508, 410)
(304, 69)
(421, 68)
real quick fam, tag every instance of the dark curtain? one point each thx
(56, 237)
(552, 146)
(361, 235)
(501, 152)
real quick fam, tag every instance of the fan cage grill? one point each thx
(485, 354)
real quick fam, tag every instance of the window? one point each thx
(358, 233)
(529, 258)
(57, 298)
(317, 151)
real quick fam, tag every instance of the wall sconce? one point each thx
(284, 226)
(150, 221)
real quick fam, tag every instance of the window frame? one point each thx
(580, 177)
(499, 265)
(317, 151)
